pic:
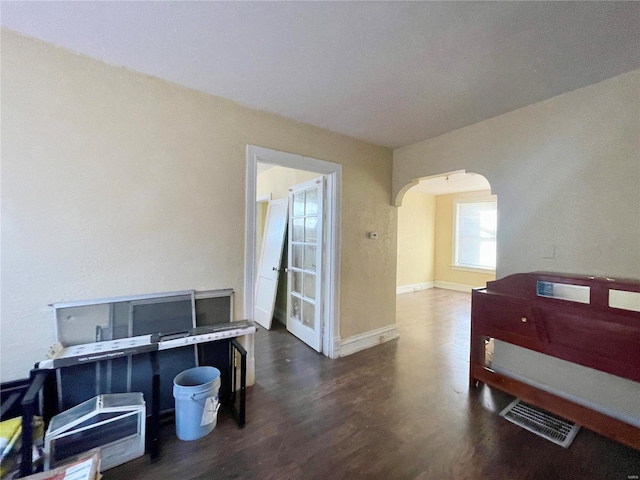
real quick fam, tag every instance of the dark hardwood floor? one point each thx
(401, 410)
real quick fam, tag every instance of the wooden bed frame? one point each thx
(523, 310)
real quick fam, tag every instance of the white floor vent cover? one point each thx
(549, 426)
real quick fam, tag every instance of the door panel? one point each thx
(304, 286)
(270, 259)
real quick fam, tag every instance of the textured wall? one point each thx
(567, 175)
(566, 172)
(115, 183)
(416, 228)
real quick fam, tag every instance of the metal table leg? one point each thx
(38, 380)
(240, 417)
(154, 423)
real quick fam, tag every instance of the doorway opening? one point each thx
(324, 304)
(446, 240)
(447, 233)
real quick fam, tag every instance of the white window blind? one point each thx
(475, 234)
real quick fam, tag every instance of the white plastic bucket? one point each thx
(196, 394)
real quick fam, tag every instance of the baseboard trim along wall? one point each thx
(366, 340)
(414, 288)
(454, 286)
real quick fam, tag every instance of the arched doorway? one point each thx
(447, 233)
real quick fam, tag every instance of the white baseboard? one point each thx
(414, 288)
(336, 348)
(366, 340)
(454, 286)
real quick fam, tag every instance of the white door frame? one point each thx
(331, 287)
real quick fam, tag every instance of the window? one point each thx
(475, 233)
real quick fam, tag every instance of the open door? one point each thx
(304, 285)
(270, 258)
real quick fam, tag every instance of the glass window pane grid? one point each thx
(296, 282)
(303, 253)
(298, 230)
(306, 219)
(311, 203)
(309, 285)
(296, 261)
(309, 258)
(296, 307)
(298, 204)
(296, 269)
(308, 315)
(311, 229)
(296, 242)
(305, 228)
(302, 297)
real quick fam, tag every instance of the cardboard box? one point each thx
(85, 467)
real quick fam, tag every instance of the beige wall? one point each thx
(567, 175)
(416, 224)
(444, 272)
(116, 183)
(566, 172)
(278, 180)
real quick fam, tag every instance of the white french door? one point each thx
(304, 285)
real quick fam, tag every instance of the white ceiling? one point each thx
(391, 73)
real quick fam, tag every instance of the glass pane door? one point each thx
(305, 261)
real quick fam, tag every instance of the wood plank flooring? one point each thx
(401, 410)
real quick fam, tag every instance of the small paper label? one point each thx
(210, 411)
(79, 471)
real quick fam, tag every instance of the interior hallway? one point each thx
(400, 410)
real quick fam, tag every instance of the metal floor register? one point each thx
(542, 423)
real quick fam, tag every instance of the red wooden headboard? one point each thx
(580, 319)
(591, 334)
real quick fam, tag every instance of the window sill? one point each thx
(488, 271)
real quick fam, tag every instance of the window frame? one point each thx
(454, 248)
